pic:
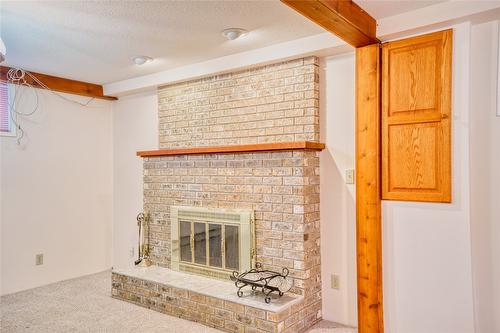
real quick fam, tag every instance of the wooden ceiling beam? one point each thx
(62, 85)
(343, 18)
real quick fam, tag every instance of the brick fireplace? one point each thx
(247, 141)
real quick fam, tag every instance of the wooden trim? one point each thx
(62, 85)
(235, 149)
(368, 190)
(343, 18)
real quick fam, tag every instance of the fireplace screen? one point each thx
(212, 242)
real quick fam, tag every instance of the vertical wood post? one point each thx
(368, 190)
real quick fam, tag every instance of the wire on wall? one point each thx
(18, 79)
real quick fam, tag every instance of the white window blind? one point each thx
(5, 122)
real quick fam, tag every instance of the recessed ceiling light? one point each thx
(141, 60)
(234, 33)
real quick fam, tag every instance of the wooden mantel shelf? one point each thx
(235, 148)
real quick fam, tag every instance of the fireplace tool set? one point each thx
(143, 249)
(265, 280)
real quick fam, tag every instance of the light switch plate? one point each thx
(349, 176)
(335, 281)
(39, 259)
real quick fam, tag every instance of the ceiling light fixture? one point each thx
(234, 33)
(141, 60)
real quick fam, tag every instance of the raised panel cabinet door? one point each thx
(416, 118)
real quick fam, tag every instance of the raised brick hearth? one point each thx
(207, 301)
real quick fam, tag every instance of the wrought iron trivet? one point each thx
(268, 281)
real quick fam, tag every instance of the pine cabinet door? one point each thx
(416, 118)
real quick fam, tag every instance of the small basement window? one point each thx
(7, 127)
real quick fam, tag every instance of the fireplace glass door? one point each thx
(211, 241)
(209, 244)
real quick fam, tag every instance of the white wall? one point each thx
(427, 277)
(485, 179)
(338, 210)
(426, 247)
(56, 194)
(135, 124)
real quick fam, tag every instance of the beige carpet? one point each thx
(85, 305)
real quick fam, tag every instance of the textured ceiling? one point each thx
(94, 41)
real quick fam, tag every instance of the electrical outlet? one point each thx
(349, 176)
(131, 252)
(39, 259)
(335, 281)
